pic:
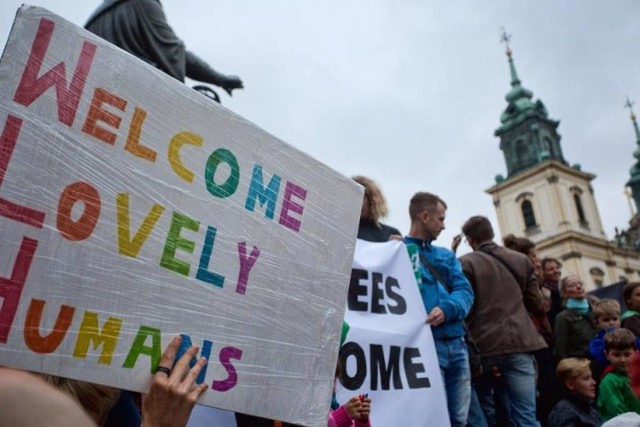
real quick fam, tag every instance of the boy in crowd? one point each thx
(606, 315)
(576, 409)
(615, 396)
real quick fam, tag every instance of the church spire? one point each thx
(517, 91)
(634, 182)
(506, 38)
(629, 104)
(527, 135)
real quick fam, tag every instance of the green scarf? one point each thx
(629, 313)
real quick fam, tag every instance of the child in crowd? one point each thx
(353, 413)
(606, 314)
(631, 317)
(615, 396)
(576, 409)
(356, 411)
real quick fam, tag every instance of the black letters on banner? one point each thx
(413, 369)
(378, 365)
(381, 297)
(353, 349)
(381, 370)
(356, 290)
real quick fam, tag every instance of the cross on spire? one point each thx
(629, 104)
(506, 38)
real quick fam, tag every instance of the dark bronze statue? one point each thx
(141, 28)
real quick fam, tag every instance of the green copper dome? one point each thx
(527, 135)
(520, 105)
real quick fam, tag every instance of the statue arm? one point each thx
(171, 55)
(199, 70)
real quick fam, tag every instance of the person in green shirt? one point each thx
(615, 396)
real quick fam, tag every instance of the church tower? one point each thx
(548, 201)
(634, 182)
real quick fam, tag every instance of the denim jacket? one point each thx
(455, 305)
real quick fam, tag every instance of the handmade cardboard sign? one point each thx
(134, 209)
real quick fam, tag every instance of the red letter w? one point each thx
(31, 86)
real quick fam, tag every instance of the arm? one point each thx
(169, 53)
(197, 69)
(460, 300)
(455, 243)
(26, 400)
(344, 415)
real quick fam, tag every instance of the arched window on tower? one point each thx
(577, 201)
(528, 215)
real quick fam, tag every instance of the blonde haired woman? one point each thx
(374, 207)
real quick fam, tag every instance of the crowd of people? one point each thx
(518, 343)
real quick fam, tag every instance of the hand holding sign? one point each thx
(173, 393)
(365, 407)
(436, 317)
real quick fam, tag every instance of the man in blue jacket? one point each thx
(447, 304)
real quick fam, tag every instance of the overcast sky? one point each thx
(409, 93)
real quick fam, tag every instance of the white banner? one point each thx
(134, 209)
(389, 350)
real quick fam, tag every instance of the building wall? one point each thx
(582, 246)
(550, 188)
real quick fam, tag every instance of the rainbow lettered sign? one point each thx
(133, 209)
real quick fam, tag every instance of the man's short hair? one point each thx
(570, 368)
(606, 307)
(478, 228)
(423, 201)
(619, 339)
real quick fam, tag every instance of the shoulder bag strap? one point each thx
(501, 261)
(435, 273)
